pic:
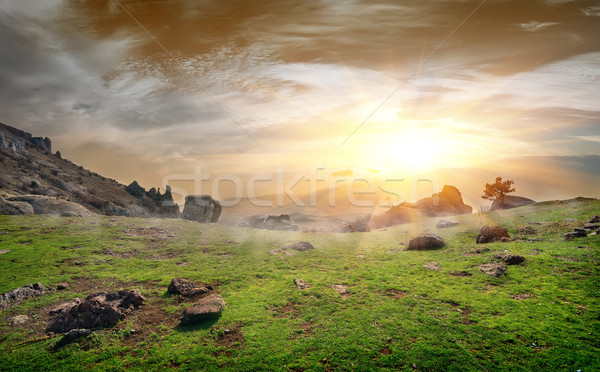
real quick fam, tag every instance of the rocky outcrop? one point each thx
(490, 234)
(426, 242)
(154, 201)
(17, 295)
(99, 310)
(206, 308)
(510, 201)
(52, 206)
(201, 208)
(134, 189)
(448, 202)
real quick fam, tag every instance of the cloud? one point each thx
(535, 26)
(593, 11)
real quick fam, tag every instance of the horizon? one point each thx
(378, 90)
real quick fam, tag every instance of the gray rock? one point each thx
(53, 206)
(573, 235)
(595, 219)
(340, 288)
(489, 234)
(444, 224)
(187, 287)
(17, 295)
(591, 226)
(510, 201)
(19, 319)
(426, 242)
(206, 308)
(15, 208)
(136, 190)
(493, 269)
(201, 208)
(99, 310)
(300, 246)
(301, 284)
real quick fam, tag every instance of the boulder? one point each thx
(426, 242)
(510, 201)
(201, 208)
(434, 266)
(595, 219)
(206, 308)
(187, 288)
(72, 336)
(301, 284)
(300, 246)
(53, 206)
(489, 234)
(493, 269)
(99, 310)
(591, 226)
(510, 259)
(573, 235)
(136, 190)
(443, 224)
(15, 207)
(446, 203)
(17, 295)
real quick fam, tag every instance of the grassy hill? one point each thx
(543, 315)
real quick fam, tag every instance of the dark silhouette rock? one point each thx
(201, 208)
(447, 203)
(444, 224)
(300, 246)
(426, 242)
(72, 336)
(591, 226)
(595, 219)
(510, 259)
(17, 295)
(206, 308)
(493, 269)
(99, 310)
(489, 234)
(301, 284)
(136, 190)
(573, 235)
(510, 201)
(187, 287)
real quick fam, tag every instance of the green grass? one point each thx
(397, 316)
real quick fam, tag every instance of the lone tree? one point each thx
(497, 190)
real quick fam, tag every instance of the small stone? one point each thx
(489, 234)
(19, 319)
(206, 308)
(186, 287)
(510, 259)
(493, 269)
(300, 246)
(62, 286)
(435, 266)
(426, 242)
(301, 284)
(444, 224)
(340, 288)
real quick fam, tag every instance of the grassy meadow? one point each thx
(543, 315)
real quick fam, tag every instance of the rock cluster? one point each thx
(201, 208)
(446, 203)
(272, 222)
(510, 201)
(17, 295)
(426, 242)
(162, 204)
(490, 234)
(99, 310)
(187, 288)
(592, 227)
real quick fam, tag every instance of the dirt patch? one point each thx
(204, 242)
(306, 329)
(121, 254)
(521, 296)
(395, 293)
(154, 233)
(139, 325)
(229, 337)
(183, 264)
(290, 310)
(385, 351)
(465, 315)
(223, 254)
(460, 274)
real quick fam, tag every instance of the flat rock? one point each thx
(206, 308)
(595, 219)
(53, 206)
(510, 259)
(573, 235)
(591, 226)
(99, 310)
(489, 234)
(300, 246)
(435, 266)
(493, 269)
(340, 288)
(426, 242)
(15, 208)
(444, 224)
(4, 251)
(186, 287)
(301, 284)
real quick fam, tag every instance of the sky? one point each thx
(157, 90)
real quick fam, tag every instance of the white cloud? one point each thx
(593, 11)
(534, 26)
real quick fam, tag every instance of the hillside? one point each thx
(386, 311)
(30, 167)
